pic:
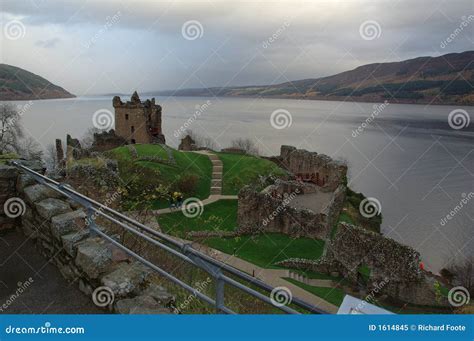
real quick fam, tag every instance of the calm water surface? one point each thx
(408, 157)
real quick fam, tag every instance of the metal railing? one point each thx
(184, 251)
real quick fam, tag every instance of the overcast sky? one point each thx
(94, 47)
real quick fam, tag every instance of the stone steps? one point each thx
(216, 177)
(216, 182)
(216, 190)
(213, 157)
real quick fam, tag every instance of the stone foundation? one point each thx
(272, 211)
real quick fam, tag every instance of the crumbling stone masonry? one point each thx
(312, 167)
(187, 144)
(137, 121)
(58, 227)
(107, 140)
(273, 210)
(395, 265)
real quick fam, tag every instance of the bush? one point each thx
(187, 183)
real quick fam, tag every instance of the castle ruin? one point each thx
(307, 206)
(137, 121)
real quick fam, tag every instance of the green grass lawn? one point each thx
(332, 295)
(221, 215)
(263, 250)
(186, 163)
(267, 249)
(7, 157)
(240, 170)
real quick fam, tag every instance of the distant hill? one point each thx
(448, 79)
(19, 84)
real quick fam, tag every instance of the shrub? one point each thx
(187, 183)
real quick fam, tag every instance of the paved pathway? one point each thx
(216, 184)
(273, 277)
(47, 293)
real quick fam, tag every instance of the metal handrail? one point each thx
(183, 251)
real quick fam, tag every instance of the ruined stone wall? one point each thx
(333, 210)
(8, 177)
(58, 227)
(261, 211)
(396, 264)
(107, 140)
(328, 172)
(353, 246)
(138, 122)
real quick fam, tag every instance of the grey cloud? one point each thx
(322, 37)
(49, 43)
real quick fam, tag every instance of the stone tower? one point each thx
(137, 121)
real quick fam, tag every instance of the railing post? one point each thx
(219, 292)
(91, 221)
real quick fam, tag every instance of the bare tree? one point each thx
(10, 129)
(463, 273)
(245, 144)
(88, 138)
(29, 149)
(202, 141)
